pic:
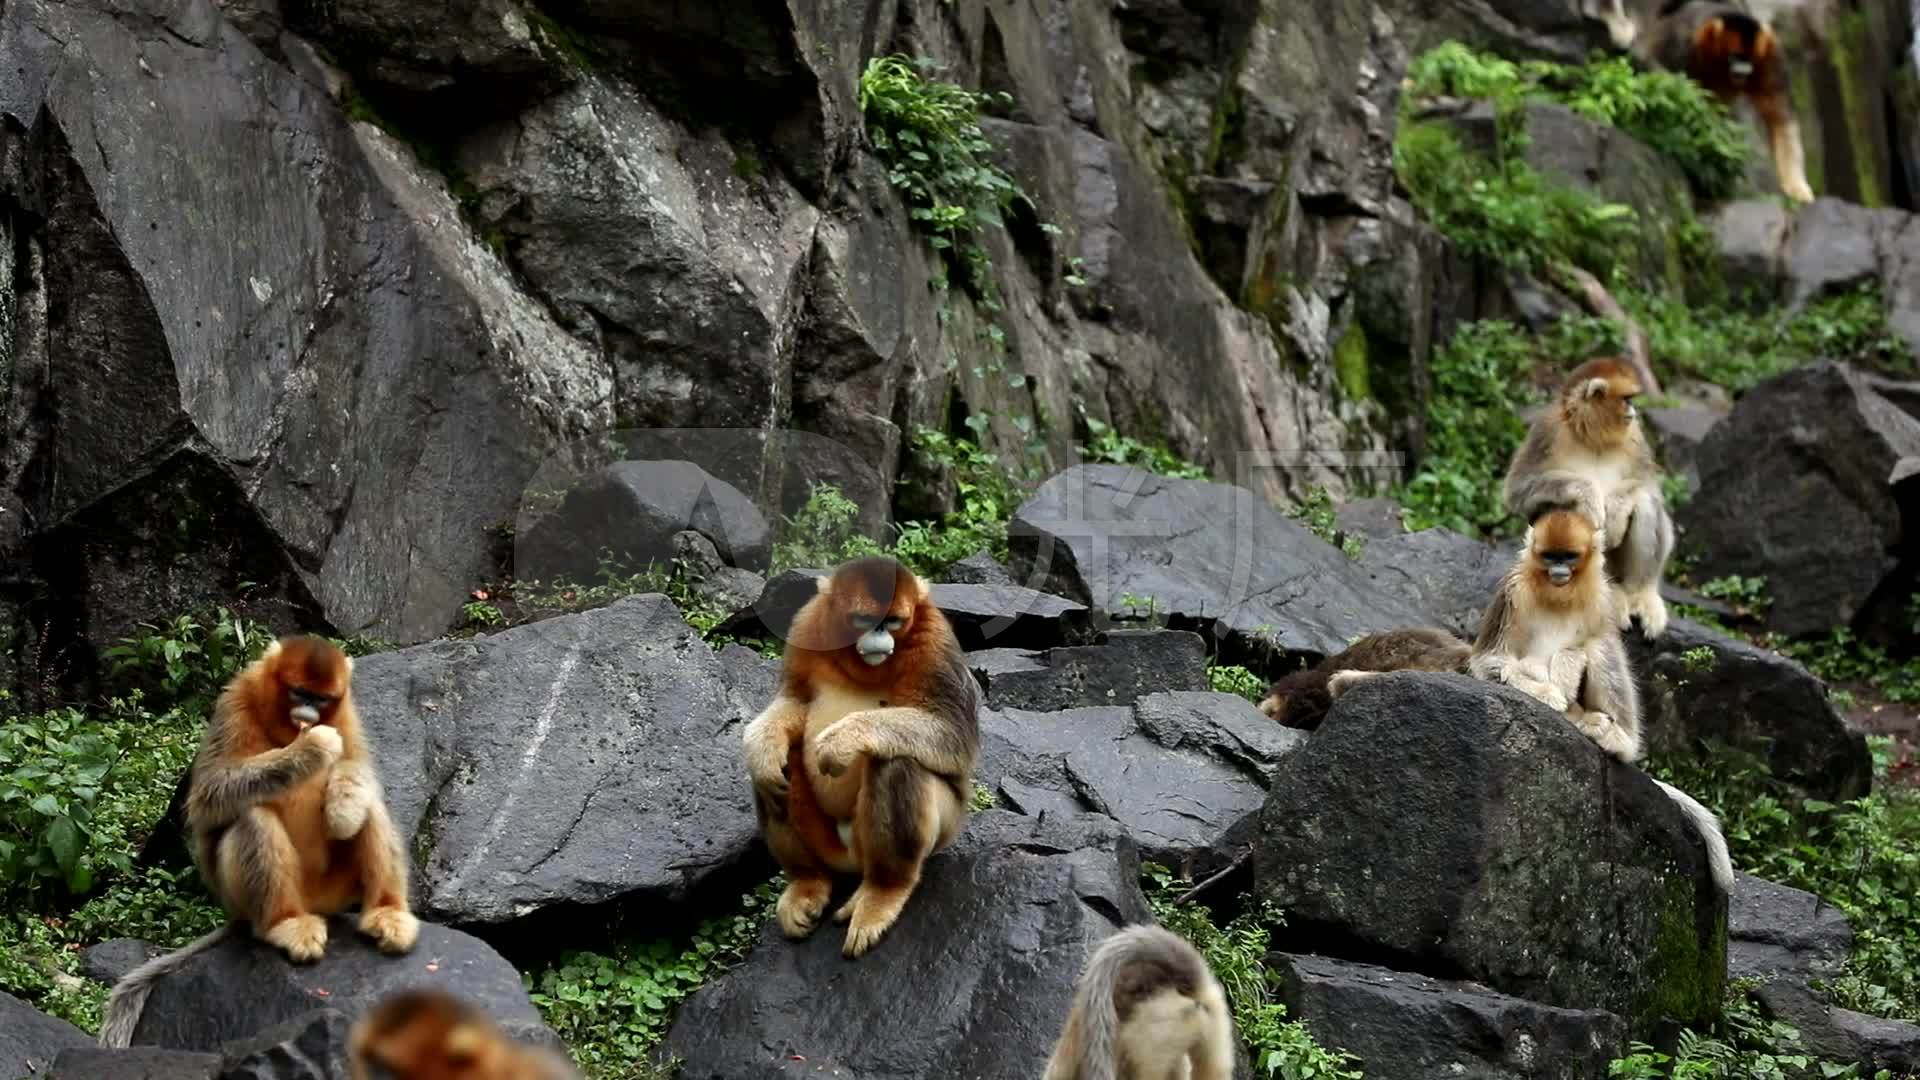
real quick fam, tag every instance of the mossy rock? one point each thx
(1459, 828)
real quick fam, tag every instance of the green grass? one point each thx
(611, 1007)
(1316, 510)
(1744, 1046)
(1737, 347)
(1235, 679)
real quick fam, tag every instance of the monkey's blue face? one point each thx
(876, 637)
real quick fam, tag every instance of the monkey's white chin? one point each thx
(1559, 578)
(875, 659)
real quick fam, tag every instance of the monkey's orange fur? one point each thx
(1564, 531)
(432, 1035)
(1602, 421)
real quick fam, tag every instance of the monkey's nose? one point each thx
(306, 714)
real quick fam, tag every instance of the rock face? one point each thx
(30, 1039)
(1446, 576)
(1700, 689)
(1798, 485)
(571, 761)
(1177, 770)
(1405, 1025)
(136, 1063)
(242, 990)
(632, 510)
(1207, 554)
(1116, 670)
(1547, 870)
(983, 615)
(1035, 896)
(1791, 941)
(335, 405)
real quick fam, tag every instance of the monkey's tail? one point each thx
(129, 997)
(1709, 827)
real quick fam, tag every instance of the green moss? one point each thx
(1801, 91)
(1350, 362)
(1850, 33)
(1694, 980)
(746, 165)
(561, 43)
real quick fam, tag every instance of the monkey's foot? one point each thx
(1648, 606)
(801, 904)
(393, 929)
(1273, 707)
(1342, 681)
(870, 912)
(302, 937)
(1610, 737)
(1797, 190)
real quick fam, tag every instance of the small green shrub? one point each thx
(1667, 111)
(823, 533)
(1738, 348)
(928, 134)
(611, 1008)
(1502, 211)
(1748, 595)
(1862, 856)
(1745, 1046)
(1105, 446)
(1237, 954)
(186, 662)
(1234, 679)
(1842, 657)
(1473, 426)
(1317, 512)
(986, 494)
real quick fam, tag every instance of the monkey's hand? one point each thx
(834, 750)
(325, 738)
(765, 743)
(351, 794)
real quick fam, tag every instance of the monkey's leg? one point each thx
(1609, 707)
(1783, 137)
(1639, 562)
(1212, 1052)
(1342, 681)
(259, 875)
(903, 812)
(385, 915)
(809, 879)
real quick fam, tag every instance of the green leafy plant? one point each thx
(1667, 111)
(186, 661)
(612, 1007)
(1141, 608)
(1501, 210)
(983, 798)
(823, 533)
(1748, 595)
(1237, 954)
(1235, 679)
(1843, 657)
(1745, 1046)
(1863, 856)
(986, 495)
(1107, 446)
(1473, 425)
(1739, 346)
(928, 134)
(1316, 511)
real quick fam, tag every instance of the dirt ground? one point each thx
(1876, 716)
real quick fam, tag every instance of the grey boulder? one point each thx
(30, 1039)
(242, 989)
(1178, 770)
(1404, 1026)
(982, 616)
(1545, 869)
(1117, 669)
(571, 761)
(1204, 554)
(631, 511)
(979, 970)
(134, 1063)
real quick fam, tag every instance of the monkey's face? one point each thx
(870, 606)
(1561, 543)
(311, 678)
(1734, 45)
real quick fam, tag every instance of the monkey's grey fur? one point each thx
(1147, 1008)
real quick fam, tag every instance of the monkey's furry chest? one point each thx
(837, 795)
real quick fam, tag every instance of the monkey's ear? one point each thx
(1764, 44)
(349, 668)
(1594, 388)
(823, 583)
(273, 650)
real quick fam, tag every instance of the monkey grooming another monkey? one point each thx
(432, 1035)
(1551, 631)
(1300, 700)
(1586, 452)
(1146, 1008)
(287, 818)
(1733, 55)
(863, 763)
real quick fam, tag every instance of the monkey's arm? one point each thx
(768, 738)
(1609, 707)
(941, 744)
(1530, 494)
(223, 787)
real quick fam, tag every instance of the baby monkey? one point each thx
(1147, 1008)
(432, 1035)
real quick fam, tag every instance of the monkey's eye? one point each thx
(309, 698)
